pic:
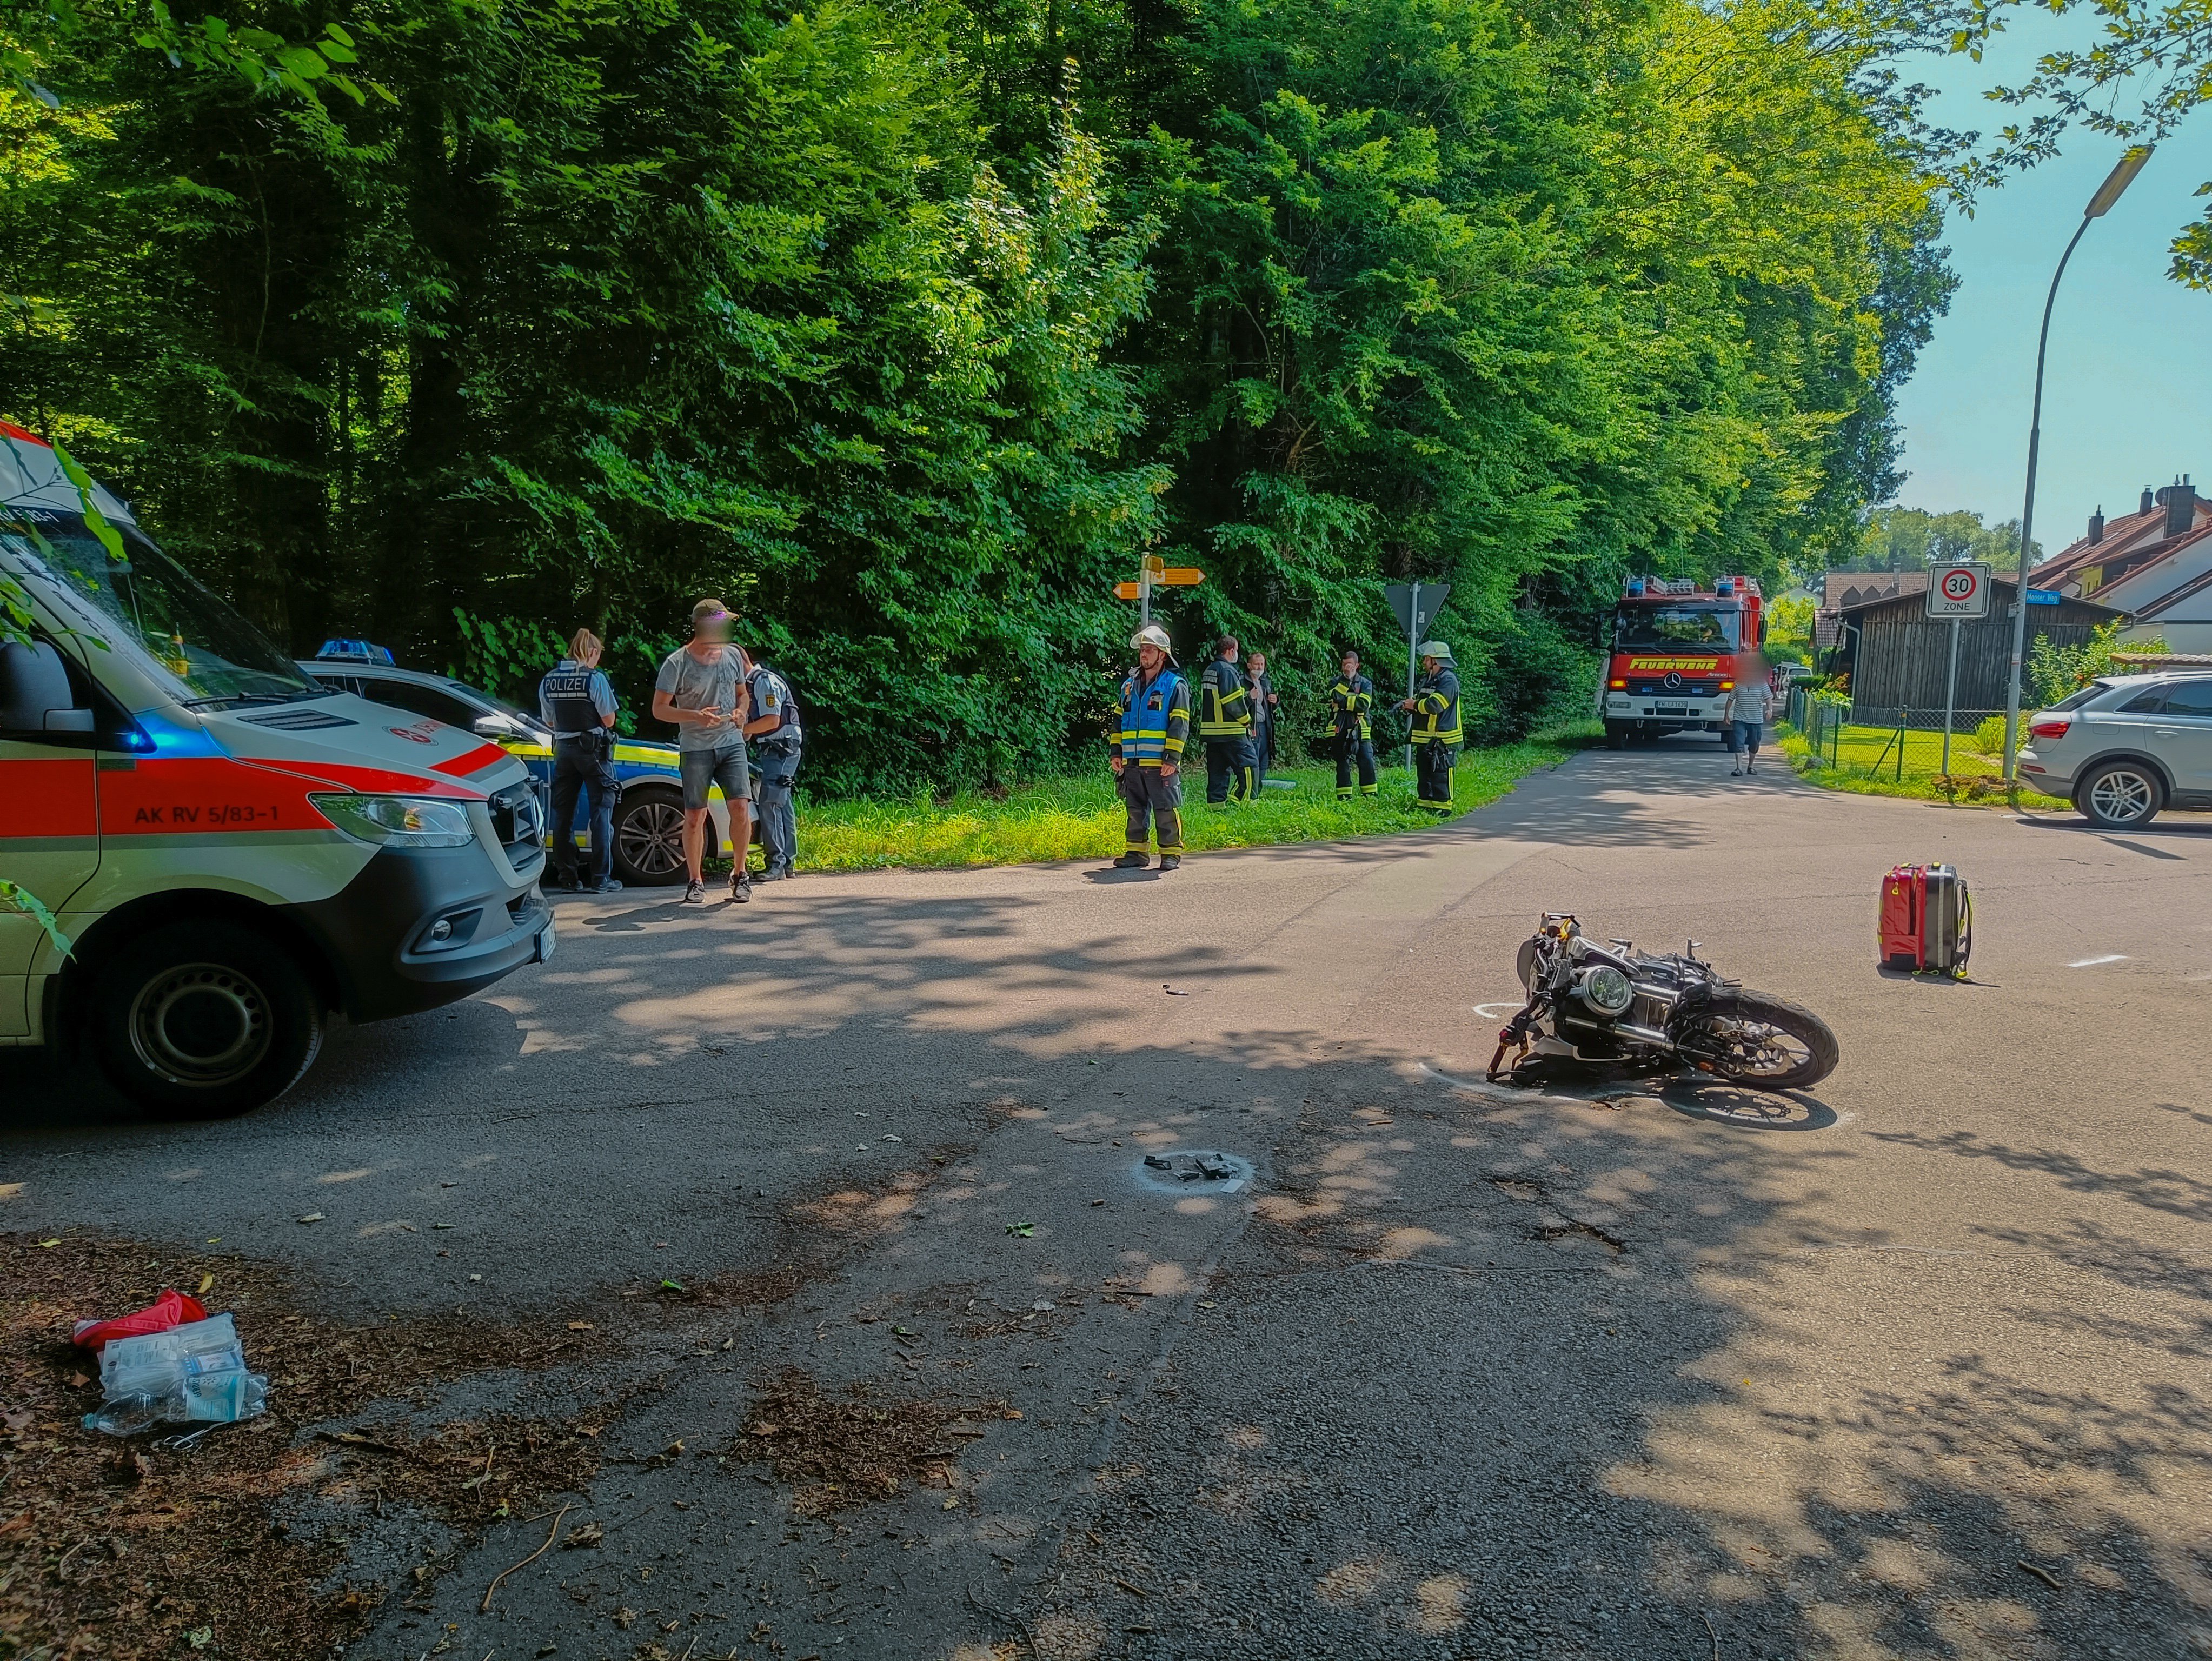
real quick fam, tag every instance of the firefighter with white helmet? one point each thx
(1147, 751)
(1435, 708)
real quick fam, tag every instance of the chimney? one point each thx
(2097, 526)
(2146, 506)
(2179, 501)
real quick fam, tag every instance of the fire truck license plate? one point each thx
(1671, 708)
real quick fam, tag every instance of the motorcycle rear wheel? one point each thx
(1750, 1039)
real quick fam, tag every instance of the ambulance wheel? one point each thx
(1616, 735)
(649, 837)
(205, 1019)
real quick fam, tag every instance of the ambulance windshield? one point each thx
(169, 620)
(1676, 628)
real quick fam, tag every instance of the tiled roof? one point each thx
(2166, 602)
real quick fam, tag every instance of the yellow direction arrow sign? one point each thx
(1126, 591)
(1155, 564)
(1180, 576)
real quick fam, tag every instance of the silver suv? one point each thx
(2123, 747)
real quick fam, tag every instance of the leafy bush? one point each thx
(2055, 671)
(1989, 737)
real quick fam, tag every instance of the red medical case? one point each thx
(1924, 919)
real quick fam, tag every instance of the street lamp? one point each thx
(2118, 180)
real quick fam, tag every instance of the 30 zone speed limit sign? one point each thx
(1958, 591)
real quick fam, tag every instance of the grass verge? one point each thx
(1861, 769)
(1080, 818)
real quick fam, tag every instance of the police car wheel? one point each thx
(203, 1019)
(649, 837)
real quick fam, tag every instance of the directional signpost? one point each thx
(1156, 573)
(1417, 605)
(1956, 591)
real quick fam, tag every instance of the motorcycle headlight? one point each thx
(399, 821)
(1606, 990)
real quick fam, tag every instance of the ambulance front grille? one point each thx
(515, 818)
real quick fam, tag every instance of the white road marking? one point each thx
(2091, 963)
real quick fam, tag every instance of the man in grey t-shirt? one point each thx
(700, 689)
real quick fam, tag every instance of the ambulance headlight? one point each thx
(399, 821)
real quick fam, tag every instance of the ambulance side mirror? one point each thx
(34, 692)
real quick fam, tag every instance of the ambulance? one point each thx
(226, 851)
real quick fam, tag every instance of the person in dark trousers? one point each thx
(1265, 704)
(1146, 751)
(1435, 708)
(1224, 722)
(576, 702)
(775, 728)
(1351, 703)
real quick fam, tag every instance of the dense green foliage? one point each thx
(1912, 539)
(908, 330)
(2136, 71)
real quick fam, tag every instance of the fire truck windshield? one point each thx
(1671, 628)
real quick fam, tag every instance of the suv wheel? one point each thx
(204, 1020)
(2121, 795)
(649, 837)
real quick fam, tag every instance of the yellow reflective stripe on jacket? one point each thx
(1222, 714)
(1436, 709)
(1155, 719)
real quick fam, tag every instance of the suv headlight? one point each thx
(399, 821)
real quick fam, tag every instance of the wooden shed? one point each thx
(1898, 656)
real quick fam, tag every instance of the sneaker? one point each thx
(774, 874)
(1132, 861)
(1170, 861)
(1735, 772)
(695, 894)
(741, 887)
(560, 882)
(1747, 769)
(612, 886)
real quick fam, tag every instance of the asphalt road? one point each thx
(1914, 1366)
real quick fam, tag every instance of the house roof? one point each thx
(2005, 585)
(2121, 535)
(1842, 588)
(2144, 563)
(2166, 602)
(2130, 548)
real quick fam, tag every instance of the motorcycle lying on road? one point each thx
(1615, 1004)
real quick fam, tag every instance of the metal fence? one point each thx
(1891, 741)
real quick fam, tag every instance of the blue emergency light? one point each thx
(1636, 588)
(354, 651)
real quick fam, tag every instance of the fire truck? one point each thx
(1677, 651)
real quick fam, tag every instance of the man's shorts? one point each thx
(704, 769)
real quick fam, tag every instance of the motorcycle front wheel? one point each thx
(1750, 1039)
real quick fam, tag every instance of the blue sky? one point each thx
(2127, 394)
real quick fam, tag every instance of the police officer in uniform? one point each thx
(1224, 721)
(1146, 753)
(576, 701)
(775, 728)
(1351, 703)
(1435, 709)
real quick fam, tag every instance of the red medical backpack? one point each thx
(1925, 919)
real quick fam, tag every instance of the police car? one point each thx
(649, 817)
(221, 850)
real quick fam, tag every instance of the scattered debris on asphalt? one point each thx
(840, 1451)
(150, 1530)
